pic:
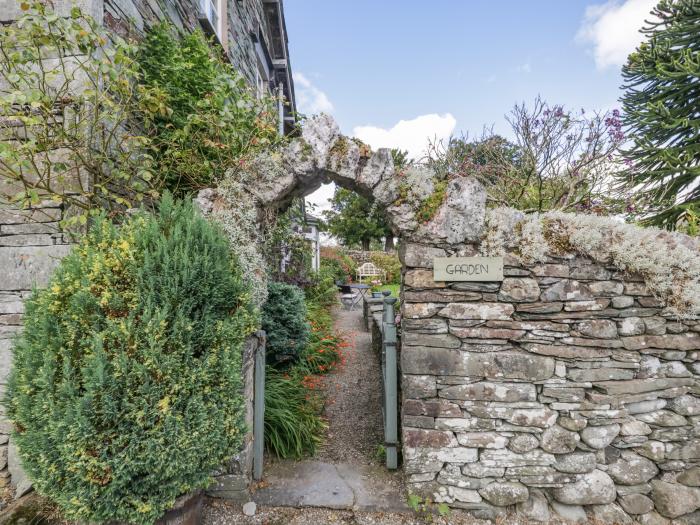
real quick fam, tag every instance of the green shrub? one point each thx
(322, 291)
(126, 380)
(342, 267)
(284, 320)
(293, 425)
(214, 118)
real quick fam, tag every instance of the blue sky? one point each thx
(453, 66)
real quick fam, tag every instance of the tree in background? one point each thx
(357, 220)
(558, 159)
(662, 108)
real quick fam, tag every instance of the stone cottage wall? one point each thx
(561, 390)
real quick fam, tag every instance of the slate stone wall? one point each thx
(31, 246)
(130, 18)
(564, 389)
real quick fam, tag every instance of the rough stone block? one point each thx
(489, 365)
(430, 340)
(27, 266)
(519, 290)
(419, 255)
(592, 488)
(420, 310)
(421, 279)
(484, 391)
(482, 311)
(419, 386)
(423, 438)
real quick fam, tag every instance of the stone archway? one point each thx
(322, 154)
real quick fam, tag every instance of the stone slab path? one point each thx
(334, 486)
(347, 472)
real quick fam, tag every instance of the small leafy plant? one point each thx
(426, 508)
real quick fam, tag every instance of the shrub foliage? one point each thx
(125, 389)
(284, 320)
(214, 118)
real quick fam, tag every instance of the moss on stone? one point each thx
(430, 205)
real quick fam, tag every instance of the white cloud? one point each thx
(319, 200)
(613, 28)
(310, 99)
(411, 135)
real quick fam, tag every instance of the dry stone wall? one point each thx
(31, 246)
(563, 390)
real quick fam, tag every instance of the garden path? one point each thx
(354, 398)
(347, 472)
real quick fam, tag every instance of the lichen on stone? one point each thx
(668, 262)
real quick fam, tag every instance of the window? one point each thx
(212, 12)
(261, 83)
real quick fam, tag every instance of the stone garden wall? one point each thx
(31, 246)
(564, 389)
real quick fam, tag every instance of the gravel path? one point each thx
(354, 398)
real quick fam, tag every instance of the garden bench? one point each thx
(369, 269)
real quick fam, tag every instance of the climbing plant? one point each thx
(213, 119)
(72, 115)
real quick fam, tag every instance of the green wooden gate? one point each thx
(389, 374)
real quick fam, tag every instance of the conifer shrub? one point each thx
(125, 391)
(284, 320)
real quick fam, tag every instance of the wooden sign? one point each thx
(468, 268)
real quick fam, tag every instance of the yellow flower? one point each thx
(55, 288)
(124, 245)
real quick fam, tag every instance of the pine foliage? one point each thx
(284, 320)
(662, 112)
(125, 392)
